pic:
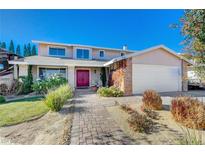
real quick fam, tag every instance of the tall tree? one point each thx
(33, 51)
(3, 45)
(25, 51)
(18, 50)
(11, 47)
(193, 29)
(29, 49)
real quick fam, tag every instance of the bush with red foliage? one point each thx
(151, 100)
(189, 112)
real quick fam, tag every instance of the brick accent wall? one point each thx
(128, 78)
(121, 75)
(184, 76)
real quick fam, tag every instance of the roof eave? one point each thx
(79, 45)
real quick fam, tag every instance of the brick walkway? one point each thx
(92, 123)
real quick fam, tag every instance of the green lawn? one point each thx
(15, 112)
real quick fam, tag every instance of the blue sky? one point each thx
(139, 29)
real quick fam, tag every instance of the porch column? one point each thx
(71, 76)
(23, 70)
(15, 71)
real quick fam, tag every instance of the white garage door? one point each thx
(156, 77)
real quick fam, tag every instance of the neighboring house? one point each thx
(156, 68)
(6, 69)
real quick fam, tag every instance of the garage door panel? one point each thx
(159, 78)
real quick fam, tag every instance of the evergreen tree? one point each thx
(18, 50)
(33, 51)
(29, 49)
(3, 45)
(25, 51)
(11, 47)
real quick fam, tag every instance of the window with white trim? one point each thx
(82, 53)
(102, 54)
(57, 51)
(48, 72)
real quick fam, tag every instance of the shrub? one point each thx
(2, 99)
(15, 87)
(140, 123)
(4, 90)
(110, 92)
(55, 99)
(151, 114)
(25, 85)
(127, 109)
(152, 100)
(188, 111)
(53, 82)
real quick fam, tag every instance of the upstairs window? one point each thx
(57, 52)
(122, 53)
(82, 53)
(102, 54)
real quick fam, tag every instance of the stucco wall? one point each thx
(157, 57)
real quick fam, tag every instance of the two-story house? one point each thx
(80, 64)
(158, 68)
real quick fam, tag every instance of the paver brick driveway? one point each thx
(92, 123)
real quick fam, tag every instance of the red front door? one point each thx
(82, 78)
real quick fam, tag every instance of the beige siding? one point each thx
(157, 57)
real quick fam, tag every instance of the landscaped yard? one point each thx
(165, 129)
(38, 120)
(47, 127)
(15, 112)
